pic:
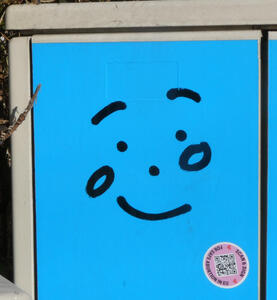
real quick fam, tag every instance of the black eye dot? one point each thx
(122, 146)
(181, 135)
(154, 171)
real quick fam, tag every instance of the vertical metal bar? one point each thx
(19, 55)
(33, 176)
(263, 164)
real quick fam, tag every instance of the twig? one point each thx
(6, 133)
(11, 2)
(2, 122)
(2, 17)
(4, 36)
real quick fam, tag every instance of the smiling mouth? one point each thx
(152, 217)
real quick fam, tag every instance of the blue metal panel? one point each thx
(179, 176)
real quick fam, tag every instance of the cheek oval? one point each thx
(190, 151)
(103, 171)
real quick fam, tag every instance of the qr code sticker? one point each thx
(225, 264)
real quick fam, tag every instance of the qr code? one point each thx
(225, 264)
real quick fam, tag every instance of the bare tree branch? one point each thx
(6, 133)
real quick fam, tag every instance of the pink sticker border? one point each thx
(223, 251)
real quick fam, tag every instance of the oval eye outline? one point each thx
(103, 171)
(190, 151)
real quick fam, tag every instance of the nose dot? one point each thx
(121, 146)
(181, 135)
(154, 171)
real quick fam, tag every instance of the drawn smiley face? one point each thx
(122, 146)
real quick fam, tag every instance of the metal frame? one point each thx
(142, 14)
(22, 140)
(147, 36)
(272, 35)
(22, 172)
(154, 18)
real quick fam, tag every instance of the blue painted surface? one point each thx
(272, 174)
(89, 248)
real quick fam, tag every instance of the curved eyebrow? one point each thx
(172, 94)
(107, 110)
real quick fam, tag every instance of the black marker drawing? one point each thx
(154, 171)
(107, 110)
(190, 151)
(176, 93)
(122, 146)
(152, 217)
(181, 135)
(104, 171)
